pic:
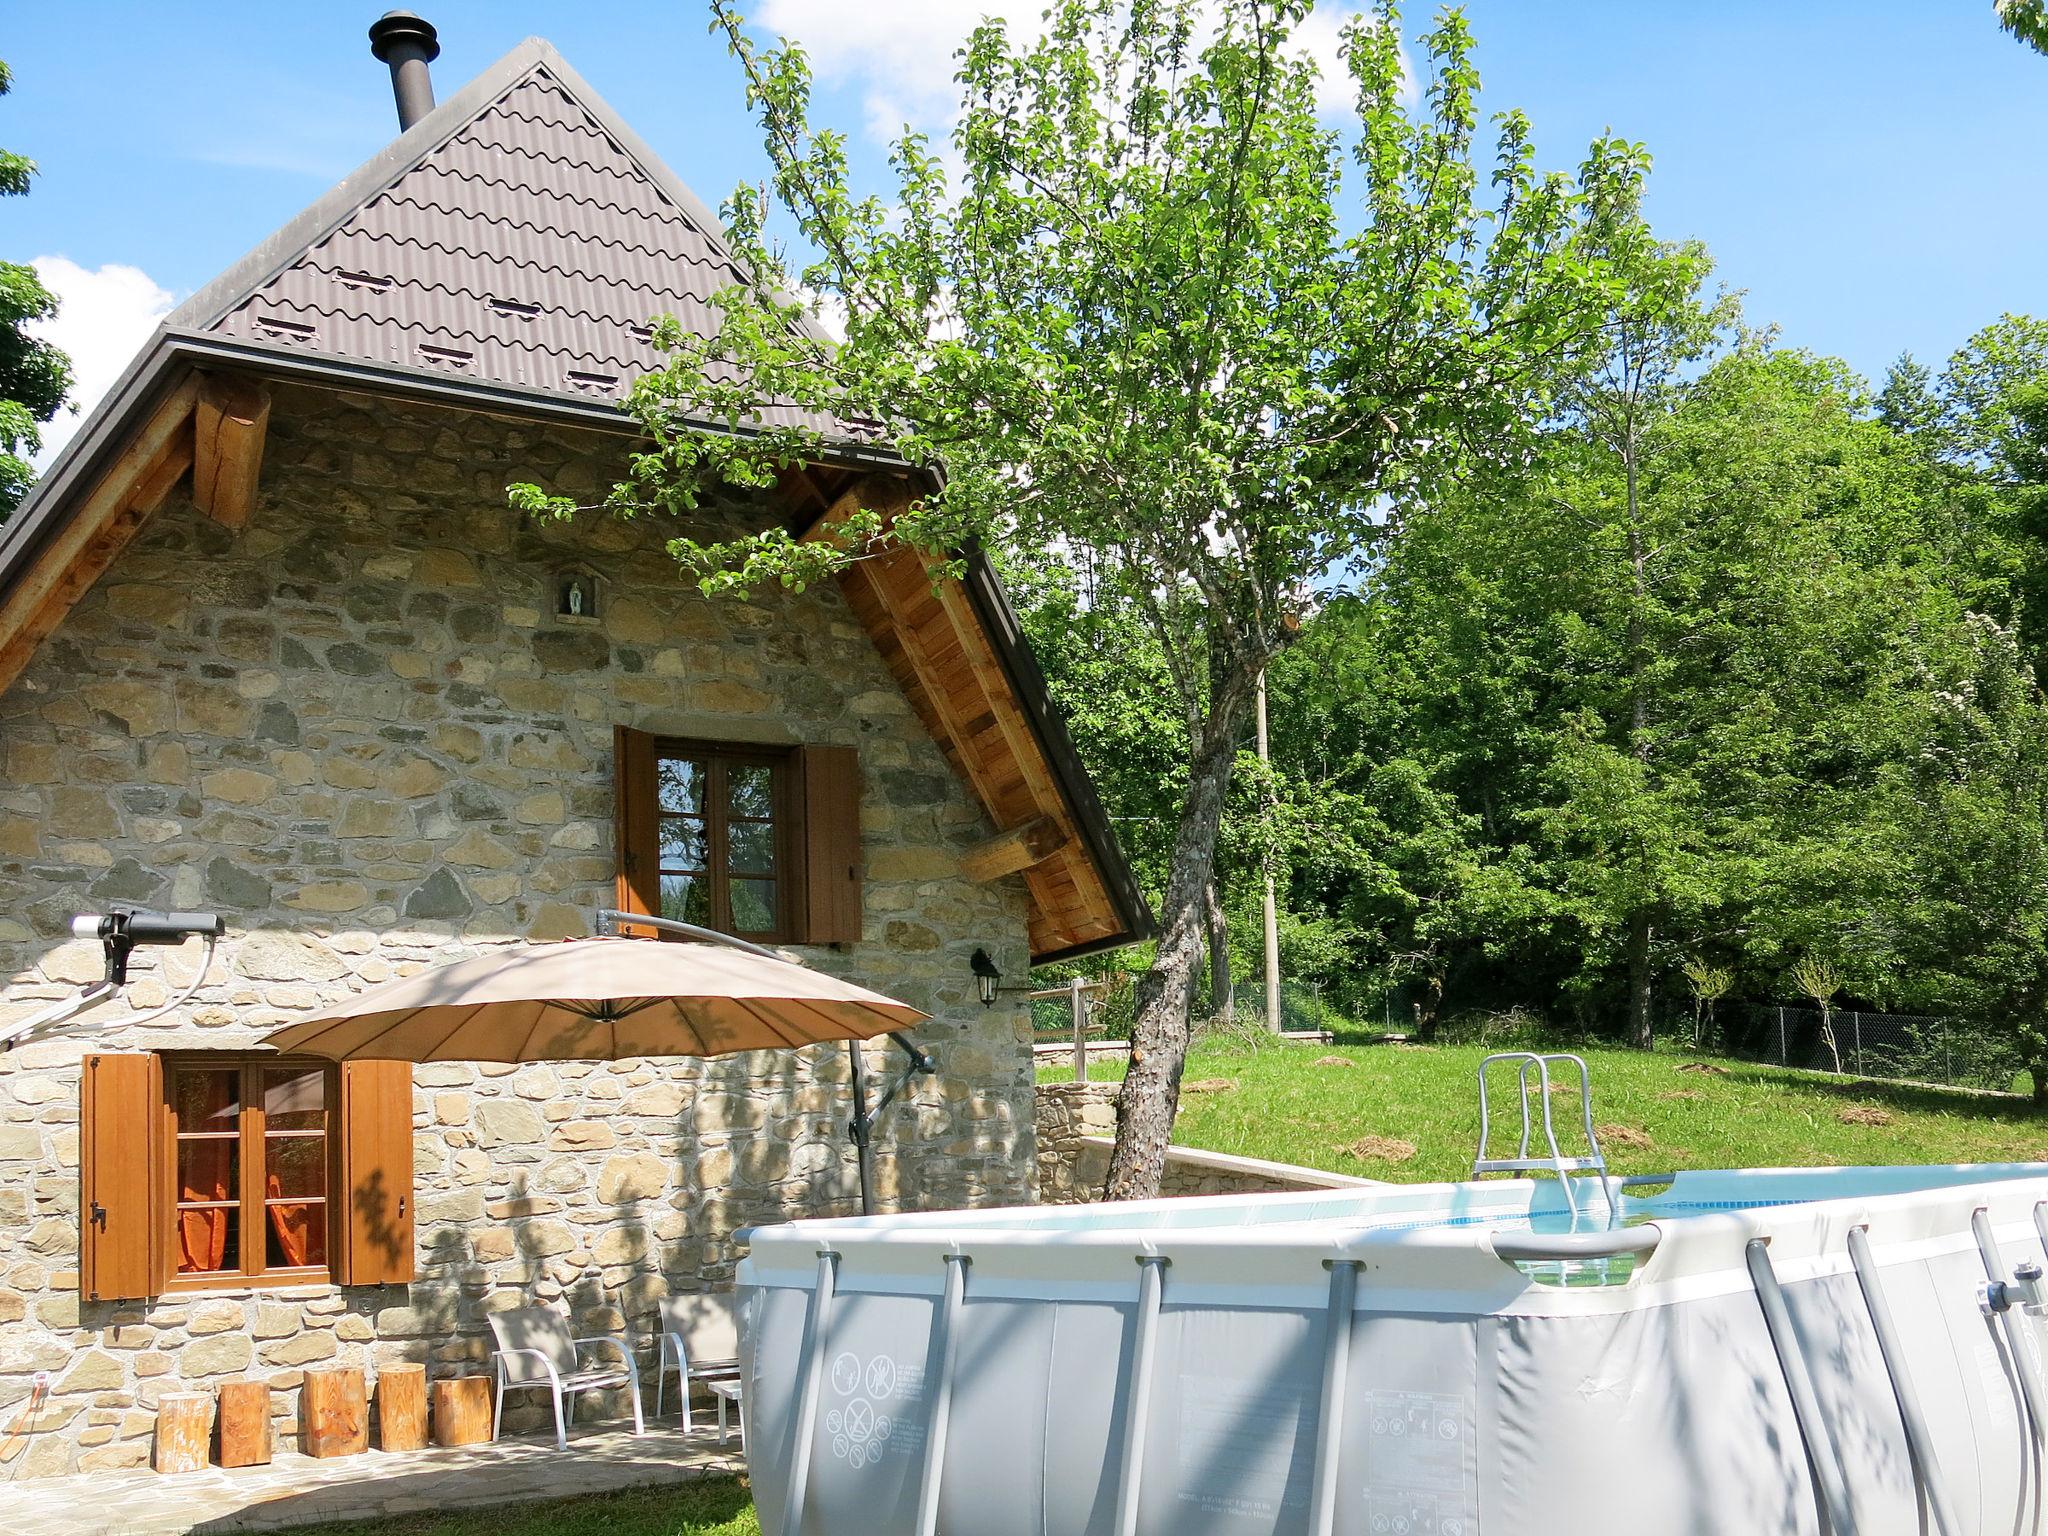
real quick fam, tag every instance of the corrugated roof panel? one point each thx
(529, 248)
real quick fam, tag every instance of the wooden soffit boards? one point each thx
(108, 516)
(211, 424)
(940, 656)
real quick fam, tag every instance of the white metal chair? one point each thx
(535, 1349)
(700, 1341)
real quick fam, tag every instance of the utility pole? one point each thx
(1272, 904)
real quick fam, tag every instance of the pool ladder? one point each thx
(1537, 1064)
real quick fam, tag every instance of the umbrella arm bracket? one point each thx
(865, 1119)
(921, 1064)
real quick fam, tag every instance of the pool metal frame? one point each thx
(2000, 1296)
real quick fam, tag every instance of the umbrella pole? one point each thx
(862, 1131)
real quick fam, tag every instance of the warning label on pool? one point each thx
(1415, 1444)
(865, 1422)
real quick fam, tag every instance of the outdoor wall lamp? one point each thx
(987, 978)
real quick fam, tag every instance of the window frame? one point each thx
(252, 1201)
(786, 814)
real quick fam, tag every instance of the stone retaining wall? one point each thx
(356, 730)
(1076, 1125)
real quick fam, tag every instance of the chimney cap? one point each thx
(395, 28)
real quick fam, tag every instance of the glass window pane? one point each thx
(295, 1099)
(753, 906)
(682, 842)
(686, 899)
(297, 1165)
(295, 1236)
(209, 1241)
(750, 789)
(750, 847)
(209, 1168)
(208, 1099)
(679, 784)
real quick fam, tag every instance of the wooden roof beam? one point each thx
(132, 487)
(1008, 853)
(229, 424)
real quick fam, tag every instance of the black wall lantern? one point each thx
(986, 977)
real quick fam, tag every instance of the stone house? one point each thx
(273, 645)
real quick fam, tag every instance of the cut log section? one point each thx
(229, 424)
(244, 1423)
(184, 1429)
(402, 1407)
(462, 1410)
(334, 1414)
(1017, 849)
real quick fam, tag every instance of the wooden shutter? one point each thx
(371, 1212)
(831, 890)
(638, 822)
(120, 1121)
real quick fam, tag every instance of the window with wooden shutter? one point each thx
(758, 841)
(199, 1169)
(374, 1195)
(120, 1251)
(831, 843)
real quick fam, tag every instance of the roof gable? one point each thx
(503, 255)
(518, 235)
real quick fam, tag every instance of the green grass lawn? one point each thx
(717, 1506)
(1295, 1104)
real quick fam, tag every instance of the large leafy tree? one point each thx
(34, 375)
(1145, 317)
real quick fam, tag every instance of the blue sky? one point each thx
(1871, 173)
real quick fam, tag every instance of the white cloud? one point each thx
(103, 318)
(900, 53)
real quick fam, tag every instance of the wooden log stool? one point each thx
(402, 1407)
(462, 1410)
(184, 1430)
(334, 1414)
(245, 1423)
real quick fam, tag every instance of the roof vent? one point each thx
(517, 309)
(593, 383)
(408, 45)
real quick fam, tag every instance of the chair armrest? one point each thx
(553, 1376)
(616, 1340)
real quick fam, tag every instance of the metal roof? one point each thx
(518, 234)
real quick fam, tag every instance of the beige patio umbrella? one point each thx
(612, 999)
(603, 999)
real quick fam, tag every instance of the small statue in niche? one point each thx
(576, 596)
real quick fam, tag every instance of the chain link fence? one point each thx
(1918, 1047)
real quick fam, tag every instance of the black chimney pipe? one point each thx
(408, 45)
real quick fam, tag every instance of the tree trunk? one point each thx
(2039, 1072)
(1639, 1033)
(1220, 1000)
(1165, 994)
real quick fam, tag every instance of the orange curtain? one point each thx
(293, 1225)
(203, 1235)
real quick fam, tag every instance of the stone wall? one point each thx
(354, 729)
(1076, 1125)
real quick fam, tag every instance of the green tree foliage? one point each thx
(2026, 20)
(34, 376)
(1156, 317)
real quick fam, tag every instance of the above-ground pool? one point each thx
(1771, 1351)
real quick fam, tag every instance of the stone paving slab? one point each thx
(299, 1490)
